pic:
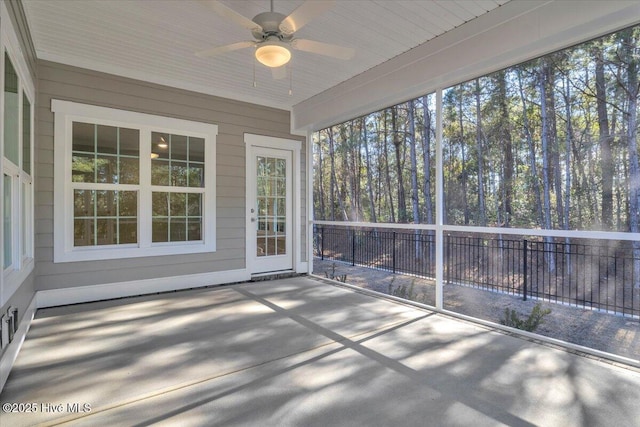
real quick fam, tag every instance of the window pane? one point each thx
(195, 229)
(83, 203)
(178, 229)
(107, 169)
(194, 205)
(196, 150)
(26, 232)
(128, 203)
(83, 168)
(107, 139)
(281, 189)
(83, 232)
(129, 142)
(128, 231)
(178, 205)
(7, 222)
(129, 170)
(105, 217)
(106, 203)
(178, 147)
(160, 145)
(160, 202)
(26, 134)
(160, 230)
(178, 174)
(11, 111)
(177, 160)
(196, 175)
(107, 231)
(105, 154)
(177, 217)
(83, 137)
(159, 172)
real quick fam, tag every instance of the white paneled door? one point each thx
(269, 201)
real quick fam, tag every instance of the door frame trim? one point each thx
(254, 140)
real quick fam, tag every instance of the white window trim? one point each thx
(65, 114)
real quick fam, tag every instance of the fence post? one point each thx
(524, 269)
(353, 247)
(393, 254)
(322, 243)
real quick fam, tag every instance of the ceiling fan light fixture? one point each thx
(273, 54)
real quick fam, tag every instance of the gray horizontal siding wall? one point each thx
(234, 118)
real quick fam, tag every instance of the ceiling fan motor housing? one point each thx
(270, 21)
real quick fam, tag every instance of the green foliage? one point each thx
(530, 324)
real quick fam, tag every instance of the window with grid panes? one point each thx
(133, 188)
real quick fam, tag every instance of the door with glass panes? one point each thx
(270, 210)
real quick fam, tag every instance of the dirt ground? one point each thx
(601, 331)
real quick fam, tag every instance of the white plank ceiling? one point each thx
(155, 41)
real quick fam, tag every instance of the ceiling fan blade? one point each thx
(279, 73)
(232, 15)
(303, 14)
(223, 49)
(326, 49)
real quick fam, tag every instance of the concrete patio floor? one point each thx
(299, 352)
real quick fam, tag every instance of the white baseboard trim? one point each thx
(65, 296)
(11, 353)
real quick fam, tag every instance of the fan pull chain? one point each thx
(290, 80)
(254, 72)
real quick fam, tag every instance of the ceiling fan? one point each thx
(274, 34)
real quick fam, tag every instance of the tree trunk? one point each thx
(367, 160)
(426, 161)
(546, 184)
(332, 177)
(532, 154)
(605, 140)
(482, 215)
(387, 172)
(321, 196)
(464, 160)
(398, 141)
(334, 182)
(415, 207)
(553, 141)
(507, 149)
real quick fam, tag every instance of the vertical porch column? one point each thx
(439, 205)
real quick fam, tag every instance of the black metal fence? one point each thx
(576, 272)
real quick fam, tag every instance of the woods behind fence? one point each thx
(579, 272)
